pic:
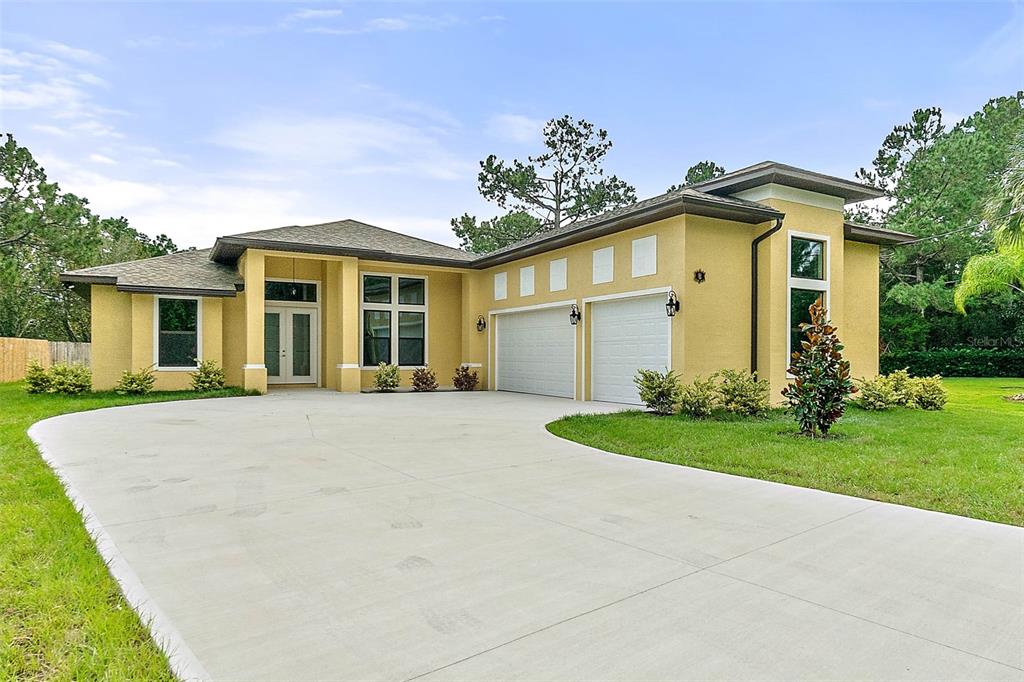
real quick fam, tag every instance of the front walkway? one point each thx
(316, 535)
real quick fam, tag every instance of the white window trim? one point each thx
(504, 278)
(650, 239)
(296, 304)
(394, 308)
(315, 329)
(527, 273)
(156, 333)
(822, 285)
(593, 268)
(565, 274)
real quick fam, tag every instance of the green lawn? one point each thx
(967, 459)
(62, 616)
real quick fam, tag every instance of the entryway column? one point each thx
(347, 299)
(254, 372)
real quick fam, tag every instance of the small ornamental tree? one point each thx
(822, 384)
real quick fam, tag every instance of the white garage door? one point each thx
(627, 334)
(536, 352)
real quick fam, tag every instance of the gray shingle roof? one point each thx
(186, 270)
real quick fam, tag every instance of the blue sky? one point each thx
(205, 119)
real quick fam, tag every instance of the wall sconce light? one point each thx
(481, 323)
(699, 276)
(672, 304)
(574, 315)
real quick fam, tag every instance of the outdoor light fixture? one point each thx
(699, 276)
(481, 323)
(672, 304)
(574, 315)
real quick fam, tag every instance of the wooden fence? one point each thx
(15, 355)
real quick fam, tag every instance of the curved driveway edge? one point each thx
(314, 535)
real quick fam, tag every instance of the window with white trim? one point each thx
(645, 256)
(558, 274)
(604, 265)
(526, 281)
(808, 283)
(177, 323)
(500, 286)
(394, 320)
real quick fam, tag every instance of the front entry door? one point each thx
(290, 349)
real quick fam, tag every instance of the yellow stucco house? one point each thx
(716, 275)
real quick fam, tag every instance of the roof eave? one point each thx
(228, 250)
(851, 192)
(875, 235)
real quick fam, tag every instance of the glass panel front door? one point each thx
(290, 345)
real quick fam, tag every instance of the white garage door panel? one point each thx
(627, 334)
(536, 352)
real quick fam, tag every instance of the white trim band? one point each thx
(347, 365)
(471, 364)
(259, 366)
(539, 306)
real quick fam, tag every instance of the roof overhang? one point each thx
(868, 234)
(671, 207)
(72, 279)
(790, 176)
(229, 249)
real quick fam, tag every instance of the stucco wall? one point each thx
(860, 331)
(111, 335)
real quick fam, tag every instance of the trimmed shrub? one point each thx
(821, 385)
(957, 362)
(136, 383)
(876, 394)
(659, 391)
(69, 379)
(928, 393)
(424, 379)
(386, 378)
(208, 377)
(698, 399)
(465, 379)
(37, 379)
(742, 393)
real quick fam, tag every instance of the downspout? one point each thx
(753, 291)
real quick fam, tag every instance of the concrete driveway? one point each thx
(312, 535)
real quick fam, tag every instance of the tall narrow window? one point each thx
(411, 338)
(808, 283)
(376, 337)
(394, 319)
(177, 332)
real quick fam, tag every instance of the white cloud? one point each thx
(305, 14)
(73, 53)
(515, 127)
(100, 158)
(1003, 50)
(405, 22)
(49, 130)
(165, 163)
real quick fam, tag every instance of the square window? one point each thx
(376, 289)
(178, 332)
(807, 258)
(558, 274)
(645, 256)
(800, 302)
(500, 286)
(604, 265)
(411, 339)
(376, 337)
(411, 291)
(526, 281)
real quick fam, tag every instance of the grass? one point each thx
(62, 616)
(966, 460)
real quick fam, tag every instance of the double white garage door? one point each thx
(536, 350)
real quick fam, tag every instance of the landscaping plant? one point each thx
(37, 379)
(659, 391)
(465, 379)
(424, 379)
(928, 393)
(209, 376)
(901, 387)
(69, 379)
(386, 378)
(742, 393)
(136, 383)
(876, 394)
(822, 384)
(698, 399)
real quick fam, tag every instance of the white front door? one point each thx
(536, 352)
(290, 348)
(627, 334)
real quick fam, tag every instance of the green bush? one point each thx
(424, 379)
(957, 362)
(37, 379)
(659, 391)
(698, 399)
(136, 383)
(742, 393)
(899, 380)
(928, 393)
(876, 394)
(465, 379)
(208, 377)
(386, 378)
(69, 379)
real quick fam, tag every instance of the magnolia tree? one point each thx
(822, 384)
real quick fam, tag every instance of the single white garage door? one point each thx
(536, 352)
(627, 334)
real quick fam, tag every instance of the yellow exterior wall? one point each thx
(111, 338)
(860, 334)
(233, 338)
